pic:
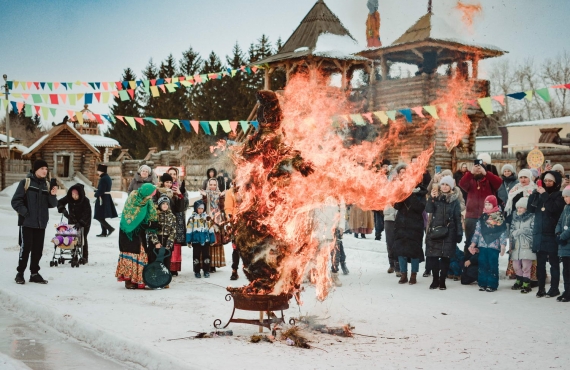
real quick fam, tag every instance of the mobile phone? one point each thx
(567, 176)
(437, 169)
(539, 183)
(547, 162)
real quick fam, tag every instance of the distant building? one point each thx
(488, 144)
(522, 135)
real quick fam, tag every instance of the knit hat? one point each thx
(534, 173)
(146, 168)
(558, 168)
(165, 177)
(566, 191)
(199, 204)
(485, 157)
(525, 173)
(399, 167)
(446, 173)
(508, 167)
(163, 199)
(523, 202)
(447, 180)
(386, 162)
(491, 199)
(549, 176)
(102, 167)
(39, 163)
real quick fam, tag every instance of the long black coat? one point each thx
(32, 205)
(104, 206)
(409, 225)
(445, 212)
(133, 246)
(79, 210)
(547, 209)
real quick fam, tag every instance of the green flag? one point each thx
(131, 120)
(544, 94)
(244, 126)
(29, 110)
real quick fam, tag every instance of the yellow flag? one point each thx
(167, 124)
(154, 91)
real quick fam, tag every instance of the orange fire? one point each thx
(469, 12)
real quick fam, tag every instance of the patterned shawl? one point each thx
(213, 201)
(517, 189)
(139, 210)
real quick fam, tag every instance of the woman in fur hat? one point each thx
(510, 179)
(143, 176)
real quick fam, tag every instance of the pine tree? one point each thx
(237, 97)
(207, 100)
(123, 133)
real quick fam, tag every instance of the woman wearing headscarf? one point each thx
(138, 213)
(214, 202)
(179, 189)
(510, 179)
(211, 173)
(143, 176)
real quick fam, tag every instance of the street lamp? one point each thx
(7, 91)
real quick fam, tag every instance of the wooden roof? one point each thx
(54, 132)
(319, 20)
(424, 36)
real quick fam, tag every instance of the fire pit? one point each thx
(261, 303)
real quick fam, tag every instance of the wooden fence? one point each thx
(14, 170)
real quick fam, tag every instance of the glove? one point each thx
(66, 214)
(183, 187)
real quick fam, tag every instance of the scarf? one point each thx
(526, 191)
(492, 226)
(139, 210)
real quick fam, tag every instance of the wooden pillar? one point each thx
(384, 67)
(475, 67)
(344, 76)
(267, 79)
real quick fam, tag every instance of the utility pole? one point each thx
(429, 6)
(7, 91)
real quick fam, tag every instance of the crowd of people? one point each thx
(528, 213)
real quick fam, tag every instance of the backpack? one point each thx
(27, 184)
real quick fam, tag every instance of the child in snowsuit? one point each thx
(489, 239)
(199, 235)
(521, 253)
(78, 212)
(165, 228)
(563, 238)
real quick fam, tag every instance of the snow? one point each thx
(10, 190)
(101, 141)
(336, 46)
(77, 180)
(4, 138)
(8, 363)
(35, 145)
(413, 327)
(550, 121)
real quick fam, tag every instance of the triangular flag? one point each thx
(79, 96)
(72, 99)
(419, 111)
(154, 91)
(125, 84)
(133, 84)
(37, 98)
(139, 120)
(171, 87)
(70, 114)
(391, 114)
(486, 105)
(159, 121)
(357, 119)
(119, 85)
(29, 111)
(167, 125)
(37, 108)
(151, 120)
(55, 85)
(45, 113)
(431, 110)
(115, 93)
(214, 125)
(528, 95)
(53, 111)
(131, 122)
(89, 98)
(29, 85)
(63, 98)
(45, 98)
(146, 86)
(225, 126)
(254, 69)
(206, 127)
(42, 84)
(64, 85)
(382, 117)
(244, 126)
(124, 95)
(105, 85)
(50, 85)
(544, 94)
(518, 96)
(407, 113)
(186, 124)
(368, 117)
(195, 126)
(233, 125)
(500, 99)
(176, 122)
(162, 88)
(92, 85)
(37, 85)
(105, 97)
(79, 117)
(53, 99)
(121, 119)
(97, 96)
(97, 118)
(20, 106)
(255, 124)
(198, 79)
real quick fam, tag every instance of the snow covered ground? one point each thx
(412, 326)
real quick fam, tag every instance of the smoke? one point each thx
(469, 12)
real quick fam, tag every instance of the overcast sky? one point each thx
(70, 40)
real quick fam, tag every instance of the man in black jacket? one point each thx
(104, 205)
(31, 200)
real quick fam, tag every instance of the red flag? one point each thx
(500, 99)
(139, 120)
(131, 93)
(53, 99)
(98, 118)
(196, 125)
(97, 96)
(37, 108)
(37, 84)
(153, 82)
(121, 118)
(119, 85)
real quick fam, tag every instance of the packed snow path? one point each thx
(414, 327)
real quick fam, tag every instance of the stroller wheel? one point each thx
(51, 263)
(55, 263)
(81, 261)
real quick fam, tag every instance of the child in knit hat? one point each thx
(489, 240)
(521, 253)
(563, 238)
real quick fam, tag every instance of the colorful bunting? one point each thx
(544, 94)
(486, 105)
(431, 110)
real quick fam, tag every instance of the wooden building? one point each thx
(431, 46)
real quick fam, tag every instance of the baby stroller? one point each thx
(67, 245)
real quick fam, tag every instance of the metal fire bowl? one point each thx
(252, 302)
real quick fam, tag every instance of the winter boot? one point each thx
(130, 285)
(434, 283)
(403, 278)
(525, 287)
(391, 270)
(552, 293)
(20, 278)
(110, 231)
(37, 278)
(206, 275)
(413, 278)
(363, 236)
(356, 235)
(344, 268)
(398, 274)
(335, 279)
(235, 275)
(174, 273)
(441, 282)
(518, 284)
(197, 275)
(541, 293)
(426, 273)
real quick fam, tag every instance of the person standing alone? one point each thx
(104, 206)
(32, 199)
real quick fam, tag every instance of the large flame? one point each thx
(279, 193)
(469, 12)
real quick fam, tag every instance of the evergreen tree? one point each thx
(237, 97)
(206, 98)
(123, 133)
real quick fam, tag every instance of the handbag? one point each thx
(440, 232)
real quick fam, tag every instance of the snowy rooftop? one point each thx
(542, 122)
(4, 138)
(101, 141)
